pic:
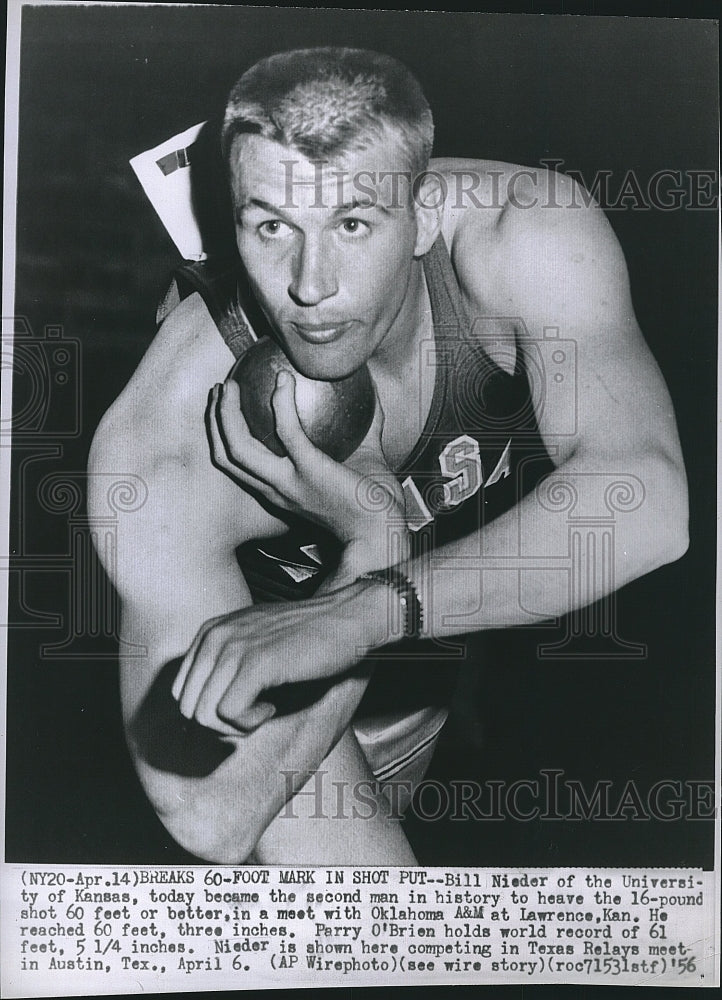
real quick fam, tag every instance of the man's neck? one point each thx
(399, 350)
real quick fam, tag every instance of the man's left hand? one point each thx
(235, 658)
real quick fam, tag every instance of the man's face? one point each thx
(328, 249)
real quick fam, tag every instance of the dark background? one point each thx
(98, 86)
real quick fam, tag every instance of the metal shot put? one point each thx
(335, 415)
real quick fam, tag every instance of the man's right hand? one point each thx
(360, 501)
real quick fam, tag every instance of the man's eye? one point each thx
(353, 227)
(274, 228)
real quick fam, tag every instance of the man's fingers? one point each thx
(218, 444)
(204, 661)
(241, 706)
(222, 461)
(240, 445)
(288, 425)
(216, 670)
(255, 716)
(208, 669)
(225, 669)
(189, 658)
(220, 448)
(180, 677)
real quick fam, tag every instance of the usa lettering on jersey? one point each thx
(461, 467)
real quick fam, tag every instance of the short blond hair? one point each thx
(325, 102)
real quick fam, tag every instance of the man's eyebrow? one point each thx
(259, 203)
(355, 203)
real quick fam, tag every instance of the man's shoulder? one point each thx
(488, 206)
(187, 355)
(163, 405)
(519, 221)
(157, 429)
(484, 193)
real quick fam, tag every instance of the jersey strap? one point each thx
(223, 287)
(446, 302)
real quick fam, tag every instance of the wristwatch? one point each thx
(408, 596)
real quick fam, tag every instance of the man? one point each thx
(357, 255)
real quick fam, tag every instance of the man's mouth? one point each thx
(321, 333)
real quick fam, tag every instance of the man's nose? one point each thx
(314, 275)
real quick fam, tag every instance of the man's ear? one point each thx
(429, 196)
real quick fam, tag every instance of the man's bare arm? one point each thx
(174, 569)
(562, 268)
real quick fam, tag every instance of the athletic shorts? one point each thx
(399, 748)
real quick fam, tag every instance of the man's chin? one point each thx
(335, 374)
(322, 366)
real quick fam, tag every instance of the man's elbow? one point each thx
(200, 827)
(102, 463)
(677, 542)
(669, 527)
(209, 845)
(112, 488)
